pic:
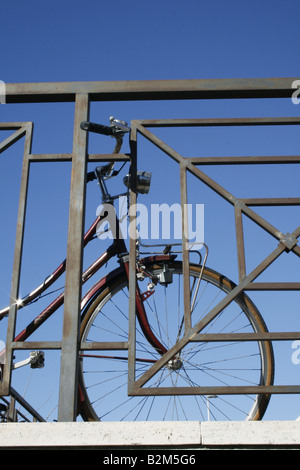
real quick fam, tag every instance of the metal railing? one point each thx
(82, 94)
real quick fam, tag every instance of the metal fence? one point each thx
(82, 94)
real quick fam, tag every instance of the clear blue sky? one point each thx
(72, 40)
(61, 40)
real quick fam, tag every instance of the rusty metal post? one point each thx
(185, 250)
(70, 340)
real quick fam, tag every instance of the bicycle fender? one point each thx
(156, 258)
(117, 272)
(96, 287)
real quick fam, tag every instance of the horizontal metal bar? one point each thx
(67, 157)
(12, 126)
(273, 286)
(150, 90)
(247, 160)
(283, 336)
(272, 201)
(36, 345)
(121, 157)
(220, 122)
(101, 345)
(50, 157)
(242, 390)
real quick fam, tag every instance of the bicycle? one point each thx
(159, 311)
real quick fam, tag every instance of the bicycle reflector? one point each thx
(143, 179)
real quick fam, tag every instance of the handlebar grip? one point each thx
(97, 128)
(90, 176)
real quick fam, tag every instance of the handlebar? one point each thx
(97, 128)
(116, 129)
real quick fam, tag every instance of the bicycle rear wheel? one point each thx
(103, 374)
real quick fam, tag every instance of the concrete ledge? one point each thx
(152, 434)
(260, 433)
(92, 434)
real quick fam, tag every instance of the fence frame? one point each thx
(82, 94)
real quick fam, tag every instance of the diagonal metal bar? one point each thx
(5, 144)
(234, 200)
(159, 143)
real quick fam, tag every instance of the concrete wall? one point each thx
(153, 434)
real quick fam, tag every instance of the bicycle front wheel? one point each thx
(103, 374)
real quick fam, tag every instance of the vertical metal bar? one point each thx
(132, 261)
(240, 240)
(12, 412)
(70, 339)
(14, 293)
(185, 251)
